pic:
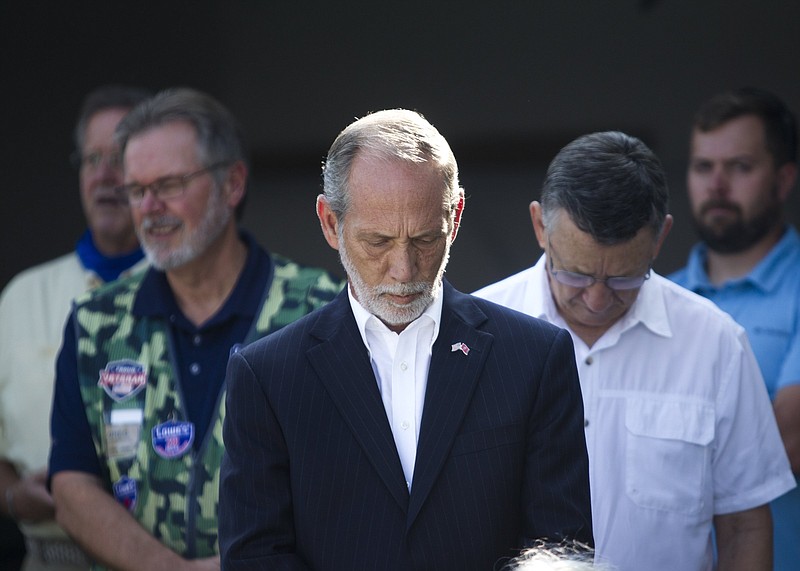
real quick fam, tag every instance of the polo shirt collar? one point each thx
(155, 297)
(766, 275)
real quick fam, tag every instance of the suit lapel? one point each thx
(342, 364)
(451, 381)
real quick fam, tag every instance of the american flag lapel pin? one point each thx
(459, 346)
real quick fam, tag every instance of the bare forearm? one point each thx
(105, 529)
(744, 540)
(787, 414)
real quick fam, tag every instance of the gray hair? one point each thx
(570, 556)
(219, 136)
(610, 184)
(392, 134)
(103, 98)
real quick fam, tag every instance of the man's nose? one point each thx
(150, 202)
(597, 296)
(106, 171)
(402, 263)
(719, 183)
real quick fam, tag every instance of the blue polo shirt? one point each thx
(200, 356)
(766, 302)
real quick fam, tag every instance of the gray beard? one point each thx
(371, 299)
(210, 228)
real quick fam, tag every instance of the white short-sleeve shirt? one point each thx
(679, 426)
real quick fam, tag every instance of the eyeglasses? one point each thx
(165, 188)
(576, 280)
(94, 159)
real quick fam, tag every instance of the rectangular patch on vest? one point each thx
(123, 432)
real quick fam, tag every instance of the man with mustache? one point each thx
(405, 426)
(139, 398)
(33, 309)
(742, 168)
(680, 434)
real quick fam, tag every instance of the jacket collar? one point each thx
(341, 362)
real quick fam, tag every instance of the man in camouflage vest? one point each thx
(139, 398)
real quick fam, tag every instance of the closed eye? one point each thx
(426, 240)
(376, 242)
(168, 185)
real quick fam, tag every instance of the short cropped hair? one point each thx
(219, 136)
(610, 184)
(780, 125)
(393, 134)
(103, 98)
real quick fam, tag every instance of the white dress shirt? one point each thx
(679, 426)
(400, 363)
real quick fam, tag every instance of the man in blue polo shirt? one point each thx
(742, 168)
(139, 396)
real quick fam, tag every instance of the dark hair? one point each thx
(106, 97)
(610, 184)
(780, 125)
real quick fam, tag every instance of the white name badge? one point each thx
(123, 432)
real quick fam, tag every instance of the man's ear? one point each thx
(235, 184)
(457, 217)
(664, 231)
(787, 175)
(328, 222)
(538, 224)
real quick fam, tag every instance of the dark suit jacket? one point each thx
(312, 479)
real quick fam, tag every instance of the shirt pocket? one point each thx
(668, 453)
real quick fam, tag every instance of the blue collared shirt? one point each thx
(201, 352)
(766, 302)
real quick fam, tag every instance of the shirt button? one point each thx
(404, 425)
(197, 339)
(194, 368)
(585, 422)
(589, 360)
(403, 366)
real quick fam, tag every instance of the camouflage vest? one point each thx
(173, 490)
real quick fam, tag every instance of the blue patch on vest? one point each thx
(173, 438)
(125, 492)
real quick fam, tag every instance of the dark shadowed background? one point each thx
(507, 83)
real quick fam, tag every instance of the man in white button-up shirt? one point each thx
(406, 426)
(679, 428)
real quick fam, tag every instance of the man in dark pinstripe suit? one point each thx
(405, 425)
